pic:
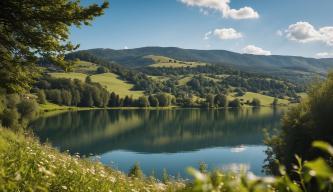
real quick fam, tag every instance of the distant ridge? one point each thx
(290, 67)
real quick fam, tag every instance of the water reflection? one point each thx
(162, 137)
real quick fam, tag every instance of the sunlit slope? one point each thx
(110, 81)
(161, 61)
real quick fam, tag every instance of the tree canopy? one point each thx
(33, 28)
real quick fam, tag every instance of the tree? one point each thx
(54, 95)
(221, 100)
(41, 97)
(143, 101)
(235, 103)
(66, 97)
(12, 100)
(128, 101)
(164, 99)
(275, 102)
(255, 102)
(76, 99)
(37, 28)
(27, 108)
(153, 101)
(102, 69)
(113, 102)
(309, 121)
(210, 100)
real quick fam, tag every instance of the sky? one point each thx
(265, 27)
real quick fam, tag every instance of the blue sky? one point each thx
(278, 27)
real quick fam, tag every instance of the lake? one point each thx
(157, 139)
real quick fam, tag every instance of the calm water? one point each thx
(157, 139)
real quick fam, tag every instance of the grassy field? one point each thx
(113, 83)
(110, 80)
(71, 75)
(161, 61)
(84, 67)
(264, 99)
(27, 165)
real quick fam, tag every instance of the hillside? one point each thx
(110, 81)
(290, 67)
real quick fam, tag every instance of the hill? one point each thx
(294, 68)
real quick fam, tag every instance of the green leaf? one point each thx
(323, 146)
(319, 168)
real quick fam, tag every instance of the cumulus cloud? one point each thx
(324, 55)
(223, 7)
(251, 49)
(224, 34)
(304, 32)
(125, 47)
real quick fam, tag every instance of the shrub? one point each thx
(12, 100)
(235, 103)
(136, 171)
(41, 97)
(10, 117)
(27, 108)
(101, 70)
(256, 102)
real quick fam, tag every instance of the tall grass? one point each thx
(27, 165)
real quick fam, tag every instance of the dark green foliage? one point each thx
(221, 100)
(210, 99)
(256, 102)
(164, 99)
(12, 100)
(54, 95)
(102, 69)
(136, 171)
(309, 121)
(153, 101)
(235, 103)
(88, 79)
(31, 28)
(27, 108)
(66, 97)
(41, 97)
(275, 102)
(74, 92)
(9, 118)
(143, 101)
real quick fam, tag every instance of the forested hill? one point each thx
(290, 67)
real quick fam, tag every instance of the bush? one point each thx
(10, 117)
(12, 100)
(102, 69)
(27, 108)
(153, 101)
(136, 171)
(256, 102)
(235, 103)
(41, 97)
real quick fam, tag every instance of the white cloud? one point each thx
(207, 35)
(251, 49)
(223, 7)
(304, 32)
(224, 34)
(227, 33)
(125, 47)
(324, 55)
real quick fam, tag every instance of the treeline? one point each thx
(88, 94)
(72, 92)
